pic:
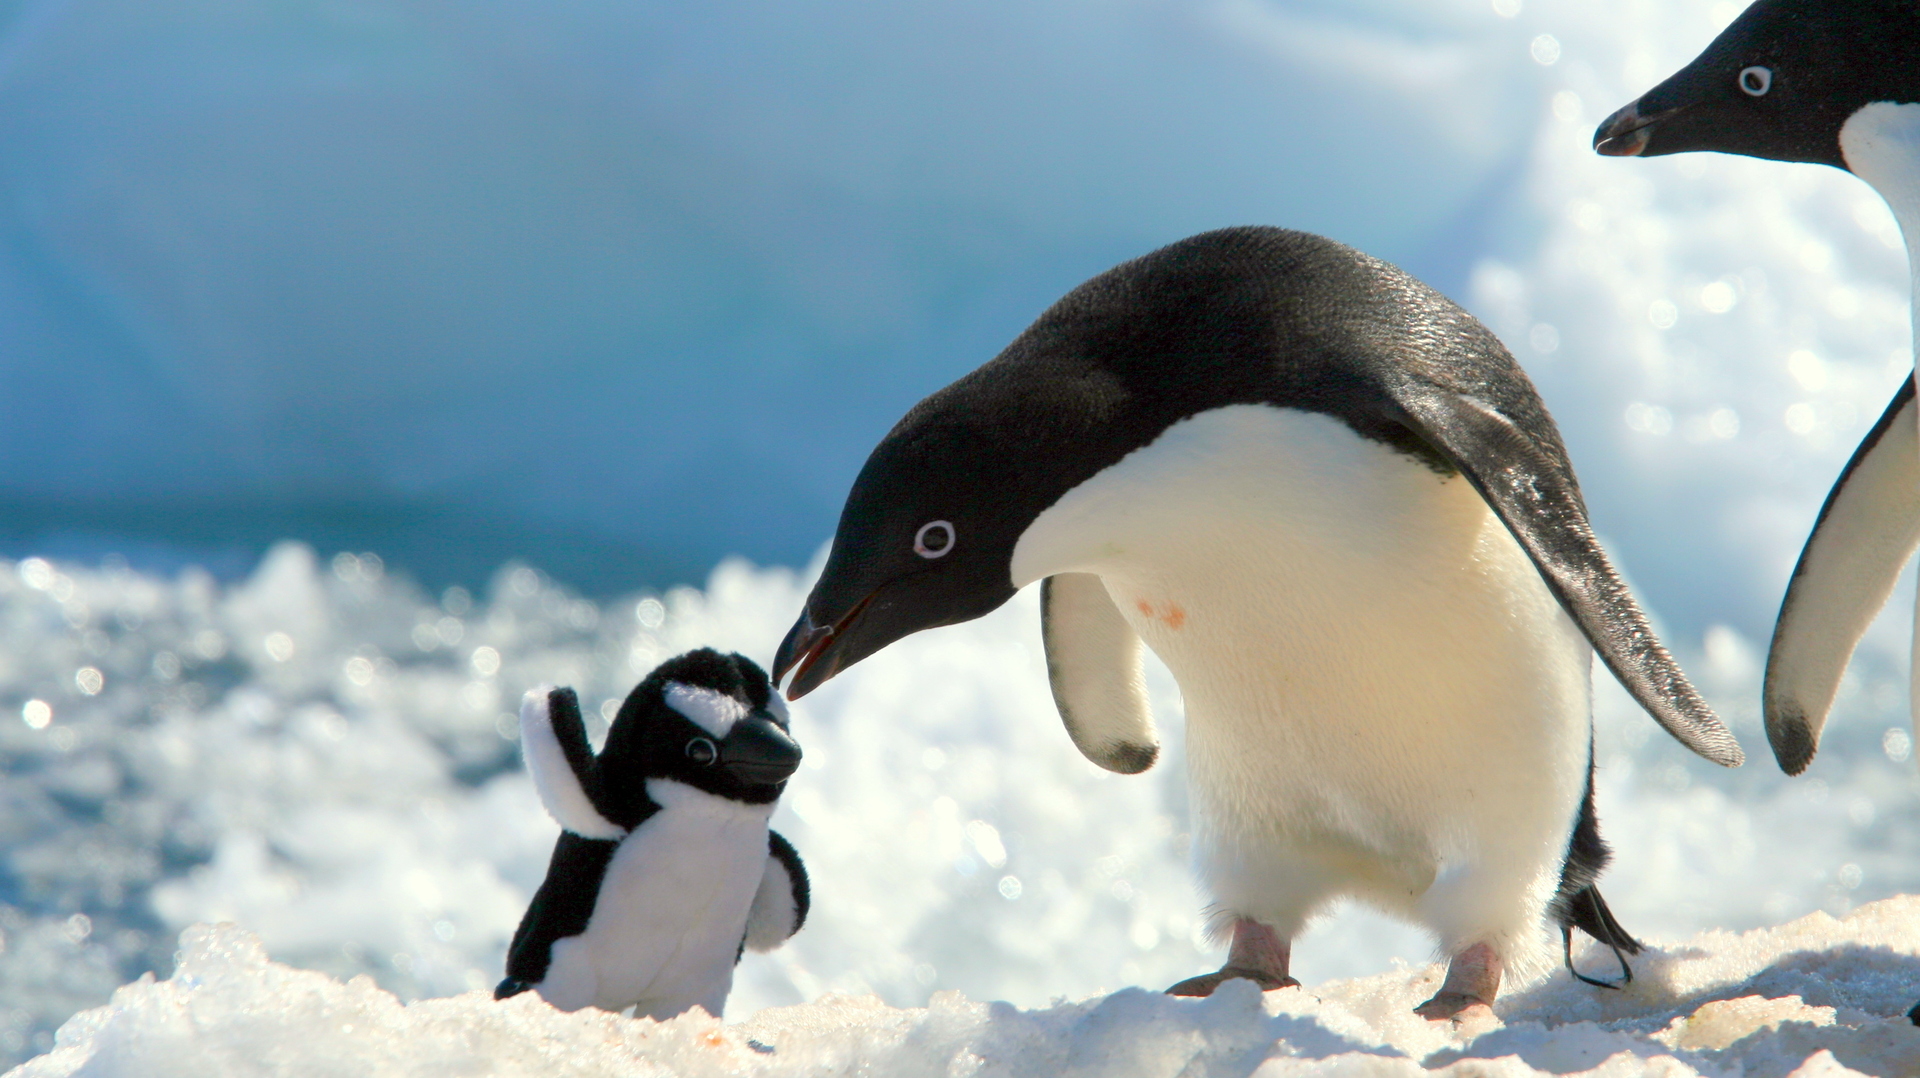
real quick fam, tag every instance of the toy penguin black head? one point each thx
(708, 720)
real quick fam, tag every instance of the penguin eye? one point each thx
(934, 539)
(1756, 80)
(702, 751)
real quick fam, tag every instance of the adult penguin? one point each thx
(1831, 82)
(1334, 505)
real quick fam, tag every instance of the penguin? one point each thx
(1831, 82)
(666, 871)
(1333, 504)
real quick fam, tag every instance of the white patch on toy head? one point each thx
(777, 707)
(711, 710)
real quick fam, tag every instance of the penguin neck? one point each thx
(1881, 144)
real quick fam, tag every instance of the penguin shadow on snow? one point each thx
(665, 872)
(1226, 1035)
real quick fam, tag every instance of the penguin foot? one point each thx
(1457, 1006)
(1258, 954)
(1473, 979)
(1204, 984)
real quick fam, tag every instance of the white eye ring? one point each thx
(942, 534)
(1755, 81)
(703, 751)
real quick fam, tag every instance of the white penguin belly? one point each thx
(672, 907)
(1383, 699)
(1881, 145)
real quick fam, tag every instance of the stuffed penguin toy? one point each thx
(666, 870)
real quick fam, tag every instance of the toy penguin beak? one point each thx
(759, 752)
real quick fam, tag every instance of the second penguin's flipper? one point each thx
(780, 905)
(1865, 533)
(1093, 664)
(1530, 486)
(554, 741)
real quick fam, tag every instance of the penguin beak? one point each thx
(810, 648)
(1627, 132)
(758, 752)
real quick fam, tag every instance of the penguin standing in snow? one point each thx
(1332, 502)
(666, 870)
(1831, 82)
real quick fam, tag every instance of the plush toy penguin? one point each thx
(666, 870)
(1832, 82)
(1332, 502)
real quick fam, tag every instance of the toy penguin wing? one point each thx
(1093, 665)
(1866, 532)
(1527, 482)
(781, 903)
(561, 907)
(554, 742)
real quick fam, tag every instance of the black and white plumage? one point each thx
(1832, 82)
(1334, 505)
(665, 870)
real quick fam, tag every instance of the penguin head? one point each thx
(1779, 82)
(708, 720)
(924, 540)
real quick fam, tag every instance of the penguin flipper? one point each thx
(785, 895)
(1530, 486)
(1093, 664)
(1865, 533)
(554, 741)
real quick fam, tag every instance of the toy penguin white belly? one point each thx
(667, 870)
(671, 911)
(1383, 699)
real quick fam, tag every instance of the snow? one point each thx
(1808, 998)
(321, 755)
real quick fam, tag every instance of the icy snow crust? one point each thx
(1809, 998)
(321, 756)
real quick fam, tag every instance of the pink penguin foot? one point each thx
(1258, 955)
(1473, 979)
(1204, 984)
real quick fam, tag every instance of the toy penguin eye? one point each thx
(934, 539)
(702, 751)
(1756, 80)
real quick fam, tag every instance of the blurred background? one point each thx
(517, 319)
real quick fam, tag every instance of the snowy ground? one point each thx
(1809, 998)
(322, 756)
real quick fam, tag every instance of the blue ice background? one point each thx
(622, 288)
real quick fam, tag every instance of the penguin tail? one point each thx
(1588, 912)
(512, 986)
